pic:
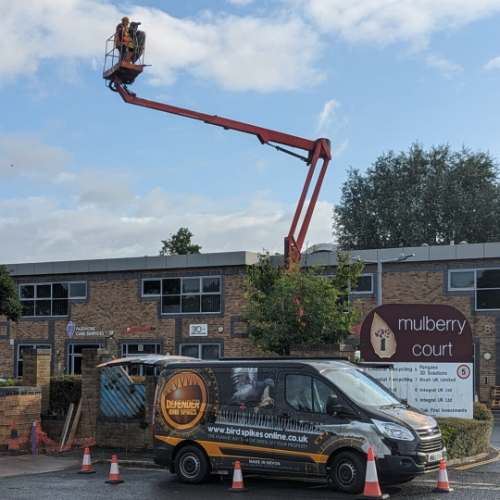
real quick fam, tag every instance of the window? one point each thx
(185, 295)
(484, 282)
(21, 348)
(201, 351)
(50, 299)
(74, 353)
(364, 284)
(304, 393)
(131, 350)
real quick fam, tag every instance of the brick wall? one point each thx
(37, 373)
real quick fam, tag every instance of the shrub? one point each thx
(64, 390)
(465, 437)
(10, 382)
(482, 412)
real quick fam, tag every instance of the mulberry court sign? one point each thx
(431, 350)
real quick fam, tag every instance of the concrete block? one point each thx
(491, 250)
(98, 265)
(443, 252)
(470, 251)
(79, 266)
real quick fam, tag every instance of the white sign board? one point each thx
(198, 330)
(438, 389)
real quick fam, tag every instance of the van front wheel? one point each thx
(191, 465)
(348, 472)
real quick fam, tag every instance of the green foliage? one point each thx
(419, 196)
(10, 382)
(179, 243)
(299, 305)
(10, 306)
(482, 412)
(64, 390)
(465, 437)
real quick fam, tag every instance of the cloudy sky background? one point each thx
(84, 175)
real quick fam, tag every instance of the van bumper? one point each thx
(408, 465)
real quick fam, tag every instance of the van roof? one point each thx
(162, 361)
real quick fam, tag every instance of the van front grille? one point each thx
(431, 445)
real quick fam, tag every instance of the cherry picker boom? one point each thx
(119, 74)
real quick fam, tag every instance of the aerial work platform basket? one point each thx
(125, 68)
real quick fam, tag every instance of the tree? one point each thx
(299, 305)
(179, 243)
(416, 197)
(10, 306)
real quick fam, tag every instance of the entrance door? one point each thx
(74, 366)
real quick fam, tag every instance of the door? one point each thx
(303, 441)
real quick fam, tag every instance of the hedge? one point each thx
(64, 390)
(467, 437)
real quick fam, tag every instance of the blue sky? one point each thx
(93, 177)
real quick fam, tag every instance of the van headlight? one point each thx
(394, 431)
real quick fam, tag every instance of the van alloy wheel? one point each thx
(348, 472)
(191, 465)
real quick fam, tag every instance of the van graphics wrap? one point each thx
(184, 400)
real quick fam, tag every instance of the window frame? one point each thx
(200, 295)
(364, 292)
(34, 299)
(200, 347)
(474, 289)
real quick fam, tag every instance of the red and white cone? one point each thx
(372, 488)
(237, 478)
(476, 397)
(114, 473)
(443, 485)
(13, 448)
(86, 464)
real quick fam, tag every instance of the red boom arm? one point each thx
(319, 149)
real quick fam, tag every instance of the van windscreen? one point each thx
(362, 389)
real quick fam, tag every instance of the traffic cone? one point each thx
(114, 473)
(372, 488)
(237, 478)
(86, 464)
(443, 485)
(476, 397)
(13, 448)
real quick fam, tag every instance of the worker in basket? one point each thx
(123, 40)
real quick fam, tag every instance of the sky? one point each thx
(83, 175)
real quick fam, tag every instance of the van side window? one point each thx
(321, 393)
(298, 392)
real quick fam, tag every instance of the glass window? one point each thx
(298, 392)
(364, 284)
(201, 351)
(151, 287)
(461, 279)
(138, 349)
(488, 278)
(49, 299)
(186, 295)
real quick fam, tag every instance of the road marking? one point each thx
(484, 462)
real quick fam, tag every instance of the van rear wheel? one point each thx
(348, 472)
(191, 465)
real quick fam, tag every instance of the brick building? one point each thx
(194, 304)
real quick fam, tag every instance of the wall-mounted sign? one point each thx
(198, 330)
(431, 350)
(83, 331)
(131, 329)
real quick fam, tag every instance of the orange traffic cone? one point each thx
(13, 448)
(114, 473)
(237, 479)
(443, 484)
(86, 464)
(372, 488)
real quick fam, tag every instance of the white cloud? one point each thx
(327, 114)
(387, 21)
(492, 64)
(445, 67)
(40, 229)
(240, 2)
(239, 53)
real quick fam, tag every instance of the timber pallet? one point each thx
(495, 392)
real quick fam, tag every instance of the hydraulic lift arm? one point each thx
(319, 149)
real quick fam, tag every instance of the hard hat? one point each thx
(125, 19)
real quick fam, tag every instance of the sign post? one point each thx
(431, 350)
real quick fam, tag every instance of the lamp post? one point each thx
(379, 270)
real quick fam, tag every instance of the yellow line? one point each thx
(484, 462)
